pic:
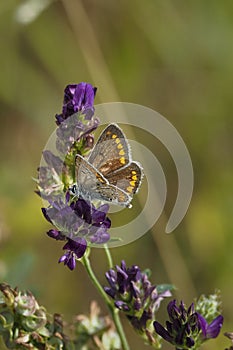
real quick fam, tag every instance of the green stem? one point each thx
(109, 257)
(114, 312)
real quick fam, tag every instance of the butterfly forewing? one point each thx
(88, 177)
(111, 151)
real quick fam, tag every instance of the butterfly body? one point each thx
(108, 174)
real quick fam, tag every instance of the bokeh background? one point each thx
(173, 56)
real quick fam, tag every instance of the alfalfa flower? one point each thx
(183, 326)
(78, 223)
(187, 328)
(73, 136)
(212, 329)
(134, 294)
(77, 121)
(209, 313)
(77, 98)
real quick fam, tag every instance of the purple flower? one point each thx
(75, 130)
(55, 233)
(53, 161)
(95, 220)
(74, 250)
(79, 219)
(73, 219)
(183, 328)
(78, 223)
(135, 296)
(49, 182)
(75, 125)
(77, 98)
(210, 330)
(77, 121)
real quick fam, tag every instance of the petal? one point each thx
(100, 237)
(107, 223)
(214, 327)
(169, 326)
(63, 258)
(123, 265)
(191, 309)
(189, 342)
(121, 278)
(162, 332)
(59, 118)
(79, 94)
(144, 318)
(98, 216)
(203, 324)
(79, 247)
(121, 305)
(159, 298)
(71, 262)
(56, 234)
(103, 208)
(69, 92)
(137, 304)
(83, 209)
(89, 95)
(177, 325)
(46, 214)
(111, 277)
(134, 274)
(84, 96)
(172, 310)
(111, 292)
(135, 290)
(53, 161)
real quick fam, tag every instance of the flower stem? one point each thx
(109, 257)
(114, 312)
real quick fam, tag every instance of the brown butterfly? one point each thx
(108, 174)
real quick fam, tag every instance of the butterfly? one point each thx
(108, 173)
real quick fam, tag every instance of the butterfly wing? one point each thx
(128, 178)
(93, 185)
(88, 178)
(111, 151)
(109, 174)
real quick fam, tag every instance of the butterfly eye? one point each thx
(73, 190)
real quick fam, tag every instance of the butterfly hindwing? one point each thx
(93, 185)
(128, 179)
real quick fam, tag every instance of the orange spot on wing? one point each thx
(129, 189)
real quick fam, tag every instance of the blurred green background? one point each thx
(173, 56)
